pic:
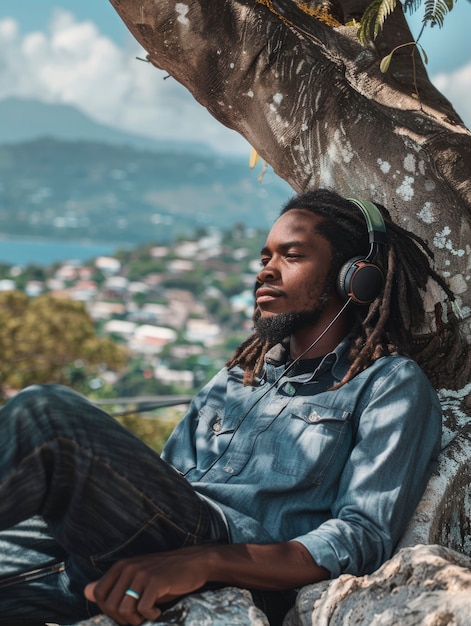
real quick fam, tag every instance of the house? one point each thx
(202, 331)
(107, 264)
(149, 339)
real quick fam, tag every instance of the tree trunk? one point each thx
(313, 103)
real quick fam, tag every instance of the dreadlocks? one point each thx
(392, 322)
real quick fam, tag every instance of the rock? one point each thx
(444, 512)
(420, 586)
(215, 608)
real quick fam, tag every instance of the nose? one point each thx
(268, 273)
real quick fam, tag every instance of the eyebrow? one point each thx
(286, 246)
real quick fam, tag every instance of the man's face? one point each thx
(292, 282)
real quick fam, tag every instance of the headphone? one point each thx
(360, 279)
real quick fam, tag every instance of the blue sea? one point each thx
(21, 251)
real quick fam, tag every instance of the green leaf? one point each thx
(385, 63)
(373, 19)
(412, 5)
(435, 11)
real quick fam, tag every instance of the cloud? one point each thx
(456, 86)
(73, 63)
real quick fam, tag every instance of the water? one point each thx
(45, 252)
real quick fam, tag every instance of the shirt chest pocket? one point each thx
(312, 441)
(214, 431)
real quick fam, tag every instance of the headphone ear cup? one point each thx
(360, 280)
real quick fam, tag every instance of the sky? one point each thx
(79, 52)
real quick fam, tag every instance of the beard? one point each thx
(276, 328)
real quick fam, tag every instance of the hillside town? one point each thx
(179, 309)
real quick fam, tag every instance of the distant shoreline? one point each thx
(42, 239)
(43, 251)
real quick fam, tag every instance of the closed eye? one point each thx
(294, 256)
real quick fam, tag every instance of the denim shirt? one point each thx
(339, 471)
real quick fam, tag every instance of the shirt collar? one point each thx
(336, 360)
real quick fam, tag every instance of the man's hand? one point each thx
(160, 578)
(157, 578)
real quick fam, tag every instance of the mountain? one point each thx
(26, 120)
(97, 191)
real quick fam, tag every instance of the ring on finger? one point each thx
(132, 594)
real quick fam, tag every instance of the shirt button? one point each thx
(314, 417)
(217, 427)
(289, 389)
(229, 470)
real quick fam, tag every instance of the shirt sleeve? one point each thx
(395, 451)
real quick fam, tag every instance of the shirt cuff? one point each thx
(322, 553)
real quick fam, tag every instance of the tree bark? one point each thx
(313, 103)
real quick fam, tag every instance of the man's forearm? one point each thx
(275, 566)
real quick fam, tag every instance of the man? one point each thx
(303, 459)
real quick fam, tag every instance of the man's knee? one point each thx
(51, 402)
(37, 396)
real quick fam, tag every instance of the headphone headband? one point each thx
(377, 235)
(360, 279)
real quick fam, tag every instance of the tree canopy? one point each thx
(47, 339)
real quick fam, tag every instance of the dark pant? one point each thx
(78, 492)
